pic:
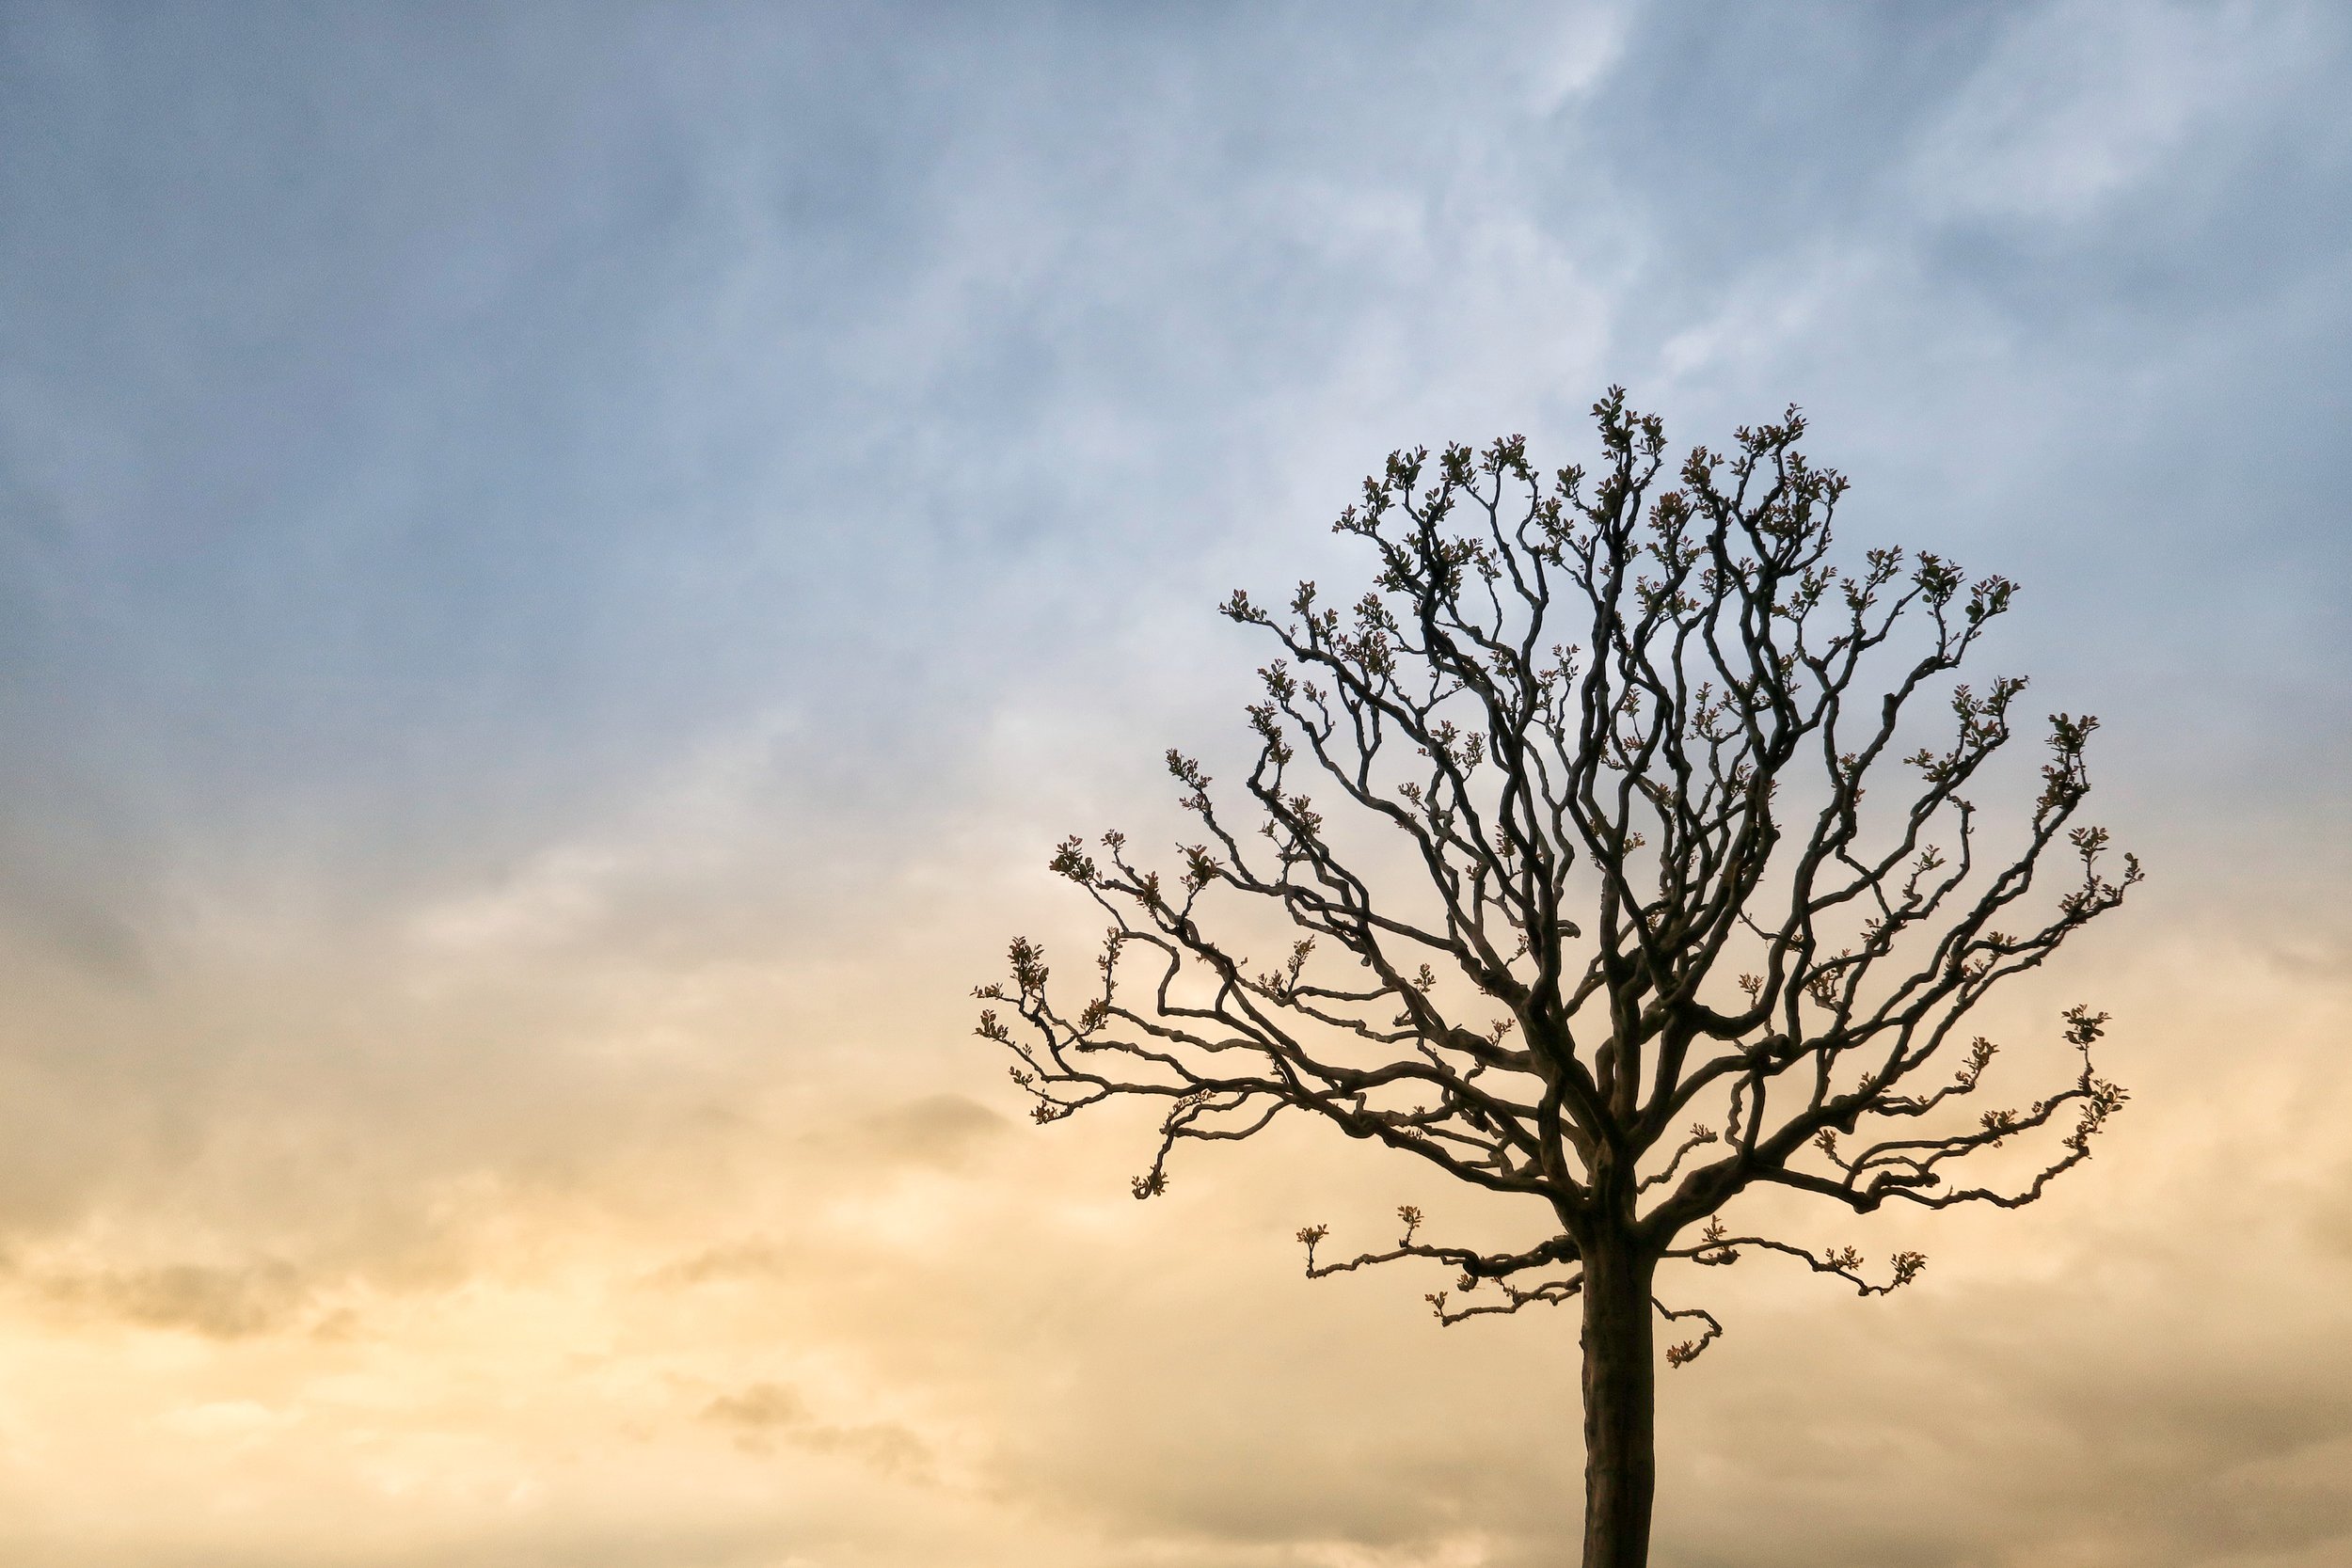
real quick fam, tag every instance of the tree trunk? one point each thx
(1620, 1406)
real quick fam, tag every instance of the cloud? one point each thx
(2078, 106)
(228, 1419)
(762, 1412)
(937, 1130)
(267, 1296)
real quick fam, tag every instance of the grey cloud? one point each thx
(937, 1130)
(219, 1302)
(94, 938)
(747, 1260)
(2328, 1210)
(760, 1412)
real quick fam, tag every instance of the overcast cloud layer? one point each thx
(562, 568)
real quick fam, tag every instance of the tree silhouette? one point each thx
(1631, 941)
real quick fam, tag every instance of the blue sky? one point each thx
(417, 419)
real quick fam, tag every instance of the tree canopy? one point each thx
(1647, 888)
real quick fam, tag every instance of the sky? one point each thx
(562, 568)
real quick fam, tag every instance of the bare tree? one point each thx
(1633, 943)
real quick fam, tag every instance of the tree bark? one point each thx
(1620, 1406)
